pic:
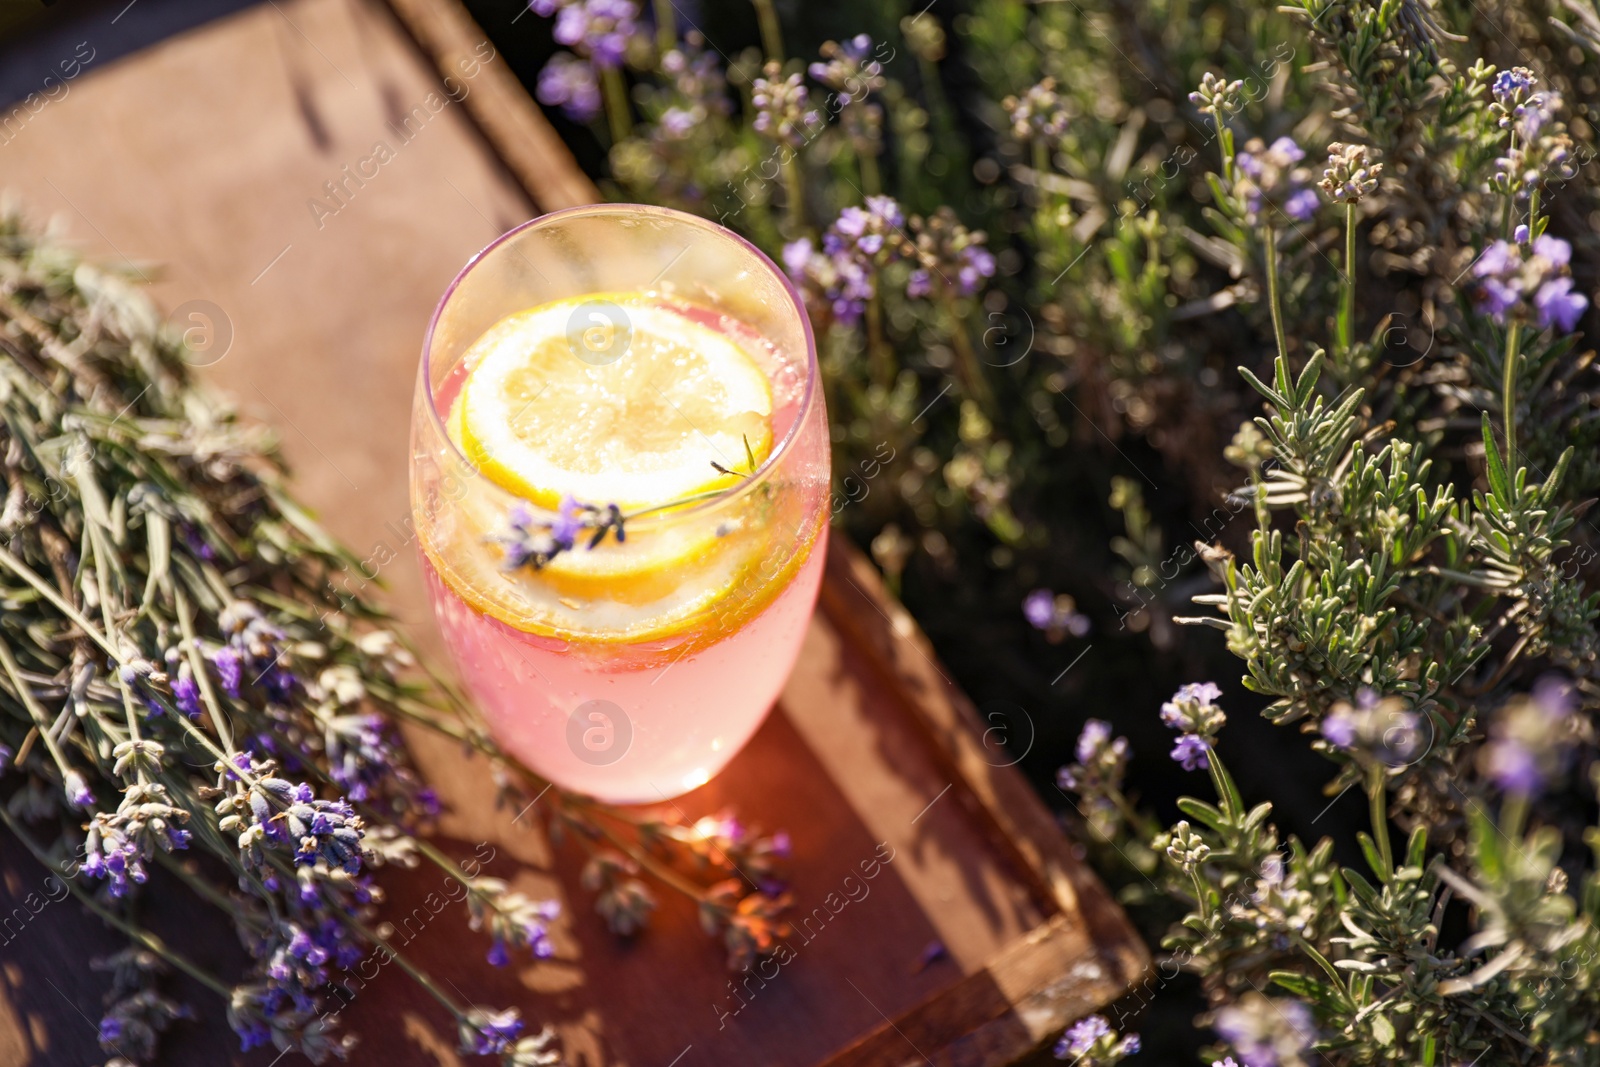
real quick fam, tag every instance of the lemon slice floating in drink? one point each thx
(612, 400)
(625, 399)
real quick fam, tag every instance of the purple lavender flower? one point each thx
(230, 669)
(1511, 86)
(1270, 179)
(428, 801)
(1340, 730)
(1530, 741)
(1515, 768)
(1092, 1039)
(848, 71)
(1193, 710)
(242, 763)
(1056, 615)
(1198, 692)
(537, 933)
(569, 83)
(1190, 751)
(1517, 283)
(1041, 113)
(327, 831)
(782, 104)
(186, 694)
(975, 263)
(1555, 696)
(78, 790)
(1081, 1036)
(1377, 729)
(676, 123)
(110, 1030)
(944, 248)
(1096, 733)
(112, 855)
(1101, 761)
(1300, 205)
(1039, 608)
(1553, 249)
(489, 1033)
(598, 29)
(362, 753)
(6, 754)
(1557, 305)
(1539, 149)
(843, 274)
(1265, 1032)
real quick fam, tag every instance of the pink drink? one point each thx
(684, 720)
(634, 671)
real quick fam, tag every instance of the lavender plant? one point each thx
(1339, 253)
(193, 700)
(1395, 627)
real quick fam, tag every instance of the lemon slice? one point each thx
(611, 399)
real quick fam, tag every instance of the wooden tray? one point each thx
(205, 155)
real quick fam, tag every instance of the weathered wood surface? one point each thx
(239, 167)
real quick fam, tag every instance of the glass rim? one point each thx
(763, 471)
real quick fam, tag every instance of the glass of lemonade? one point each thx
(619, 479)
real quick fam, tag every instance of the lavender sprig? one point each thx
(530, 541)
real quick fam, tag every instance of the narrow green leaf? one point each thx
(1308, 376)
(1417, 847)
(1302, 986)
(1369, 849)
(1201, 811)
(1499, 481)
(1263, 388)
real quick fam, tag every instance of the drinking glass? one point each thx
(641, 690)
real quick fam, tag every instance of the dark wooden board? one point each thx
(200, 160)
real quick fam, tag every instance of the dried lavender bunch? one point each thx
(169, 607)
